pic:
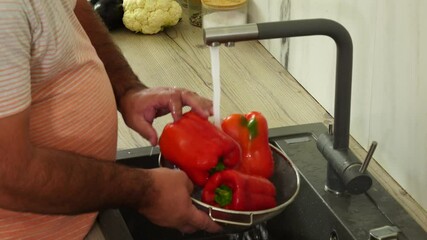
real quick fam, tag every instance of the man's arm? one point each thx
(120, 73)
(48, 181)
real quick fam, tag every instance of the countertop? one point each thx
(251, 79)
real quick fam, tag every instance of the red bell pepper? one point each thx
(251, 132)
(198, 147)
(234, 190)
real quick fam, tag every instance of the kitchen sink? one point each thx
(314, 214)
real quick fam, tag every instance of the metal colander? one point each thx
(285, 178)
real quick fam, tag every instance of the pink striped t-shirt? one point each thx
(48, 65)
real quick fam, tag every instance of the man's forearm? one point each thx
(56, 182)
(120, 73)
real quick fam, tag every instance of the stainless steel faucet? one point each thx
(345, 172)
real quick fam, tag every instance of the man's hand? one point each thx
(140, 108)
(169, 204)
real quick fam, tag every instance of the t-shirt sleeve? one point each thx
(15, 55)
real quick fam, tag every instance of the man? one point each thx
(61, 81)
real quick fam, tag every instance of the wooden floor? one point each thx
(251, 79)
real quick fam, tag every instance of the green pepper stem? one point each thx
(220, 166)
(251, 125)
(253, 128)
(223, 195)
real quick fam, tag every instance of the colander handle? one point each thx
(248, 223)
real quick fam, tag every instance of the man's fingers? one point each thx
(188, 229)
(175, 108)
(202, 106)
(146, 130)
(203, 222)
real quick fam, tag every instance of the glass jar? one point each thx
(219, 13)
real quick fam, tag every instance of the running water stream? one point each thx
(216, 84)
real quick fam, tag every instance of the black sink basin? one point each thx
(314, 214)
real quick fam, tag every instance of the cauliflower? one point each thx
(150, 16)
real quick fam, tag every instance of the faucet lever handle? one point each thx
(368, 157)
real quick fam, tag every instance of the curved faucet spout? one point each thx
(299, 28)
